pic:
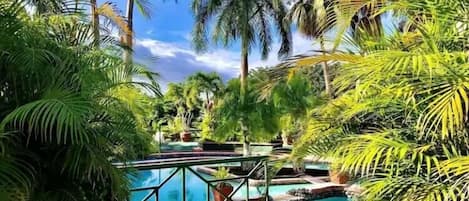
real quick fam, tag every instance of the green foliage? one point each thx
(222, 173)
(187, 103)
(258, 116)
(176, 125)
(206, 126)
(250, 22)
(399, 120)
(293, 97)
(209, 85)
(67, 109)
(185, 99)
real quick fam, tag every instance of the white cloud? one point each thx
(301, 45)
(149, 32)
(159, 48)
(175, 61)
(183, 34)
(217, 60)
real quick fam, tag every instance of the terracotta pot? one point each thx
(223, 189)
(338, 177)
(290, 140)
(186, 136)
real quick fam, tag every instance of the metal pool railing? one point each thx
(257, 162)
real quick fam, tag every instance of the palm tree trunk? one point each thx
(128, 38)
(325, 69)
(284, 138)
(207, 101)
(244, 71)
(244, 87)
(95, 22)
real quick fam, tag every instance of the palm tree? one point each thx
(262, 116)
(61, 121)
(400, 119)
(248, 21)
(313, 19)
(185, 99)
(95, 22)
(210, 84)
(144, 7)
(127, 39)
(292, 99)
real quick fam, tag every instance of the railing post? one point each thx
(266, 175)
(247, 188)
(183, 184)
(208, 192)
(157, 196)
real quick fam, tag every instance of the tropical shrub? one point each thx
(63, 109)
(399, 120)
(260, 119)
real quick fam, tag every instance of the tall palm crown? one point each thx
(247, 20)
(251, 21)
(313, 18)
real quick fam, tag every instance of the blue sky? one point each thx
(163, 43)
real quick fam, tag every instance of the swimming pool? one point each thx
(196, 189)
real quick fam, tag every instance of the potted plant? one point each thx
(178, 126)
(185, 121)
(223, 189)
(336, 174)
(186, 136)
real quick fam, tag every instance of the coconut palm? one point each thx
(250, 21)
(399, 122)
(62, 122)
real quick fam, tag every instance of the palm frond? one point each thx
(110, 11)
(57, 118)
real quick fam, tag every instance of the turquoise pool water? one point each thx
(196, 189)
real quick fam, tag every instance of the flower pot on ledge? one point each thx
(223, 189)
(338, 177)
(186, 136)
